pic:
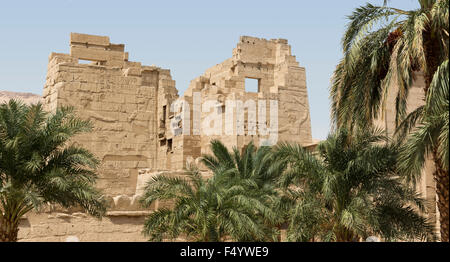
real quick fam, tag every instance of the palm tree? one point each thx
(38, 165)
(431, 138)
(254, 170)
(384, 46)
(204, 211)
(349, 191)
(238, 202)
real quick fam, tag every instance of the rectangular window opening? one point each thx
(164, 115)
(87, 62)
(220, 109)
(251, 85)
(169, 145)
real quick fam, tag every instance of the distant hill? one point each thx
(28, 98)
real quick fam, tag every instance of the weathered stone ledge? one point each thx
(128, 213)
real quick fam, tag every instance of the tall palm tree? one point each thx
(431, 138)
(255, 170)
(237, 202)
(38, 165)
(350, 191)
(385, 46)
(204, 211)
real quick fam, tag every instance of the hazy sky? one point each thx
(186, 37)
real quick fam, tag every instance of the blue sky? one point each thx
(186, 37)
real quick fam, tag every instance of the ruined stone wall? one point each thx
(279, 78)
(165, 143)
(121, 100)
(119, 97)
(138, 135)
(58, 227)
(123, 222)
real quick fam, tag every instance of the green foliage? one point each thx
(432, 131)
(347, 193)
(384, 46)
(239, 202)
(354, 188)
(39, 164)
(350, 191)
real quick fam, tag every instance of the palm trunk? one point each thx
(432, 56)
(344, 235)
(8, 229)
(442, 188)
(432, 51)
(279, 235)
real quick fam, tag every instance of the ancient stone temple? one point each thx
(143, 128)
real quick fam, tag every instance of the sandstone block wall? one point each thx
(58, 227)
(119, 97)
(129, 105)
(279, 77)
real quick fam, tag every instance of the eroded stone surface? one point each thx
(129, 105)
